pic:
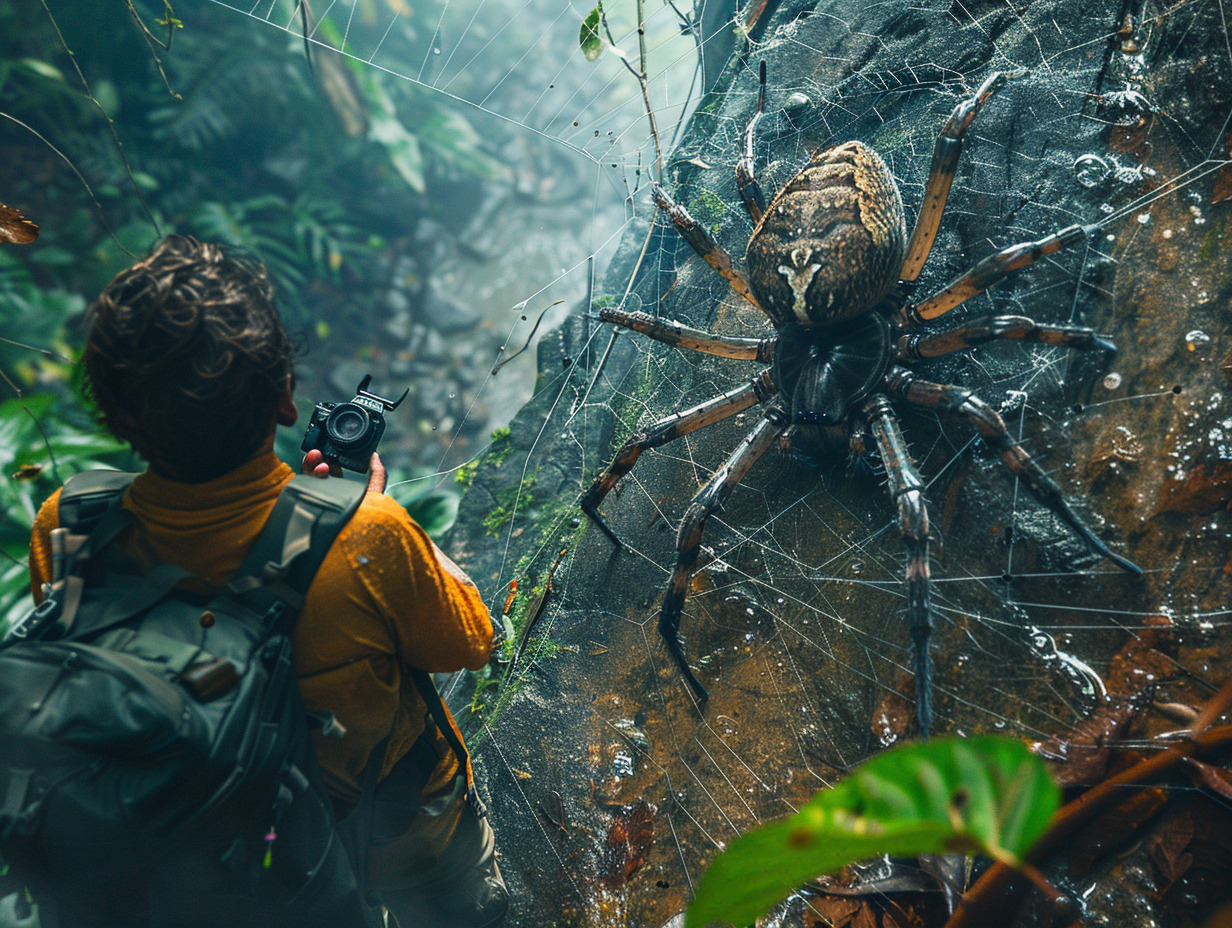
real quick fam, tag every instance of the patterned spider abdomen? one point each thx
(832, 240)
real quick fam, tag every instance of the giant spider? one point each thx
(830, 264)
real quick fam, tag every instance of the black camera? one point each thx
(348, 433)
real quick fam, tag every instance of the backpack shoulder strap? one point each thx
(90, 516)
(283, 561)
(440, 715)
(88, 495)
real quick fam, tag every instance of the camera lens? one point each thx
(347, 425)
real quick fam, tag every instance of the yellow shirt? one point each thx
(381, 599)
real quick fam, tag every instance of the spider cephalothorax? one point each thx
(830, 264)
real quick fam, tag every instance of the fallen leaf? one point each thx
(629, 840)
(1082, 755)
(1141, 663)
(1194, 853)
(16, 228)
(1215, 779)
(1115, 828)
(552, 806)
(894, 714)
(1206, 488)
(1169, 847)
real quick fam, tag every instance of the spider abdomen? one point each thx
(832, 240)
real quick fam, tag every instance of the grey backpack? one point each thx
(155, 761)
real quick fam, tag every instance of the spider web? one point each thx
(573, 131)
(795, 623)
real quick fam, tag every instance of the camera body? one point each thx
(347, 433)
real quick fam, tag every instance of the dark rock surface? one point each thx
(795, 626)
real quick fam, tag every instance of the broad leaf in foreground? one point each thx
(987, 795)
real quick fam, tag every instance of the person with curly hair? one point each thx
(188, 361)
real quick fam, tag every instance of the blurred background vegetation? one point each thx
(381, 207)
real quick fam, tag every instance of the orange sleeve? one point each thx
(436, 618)
(40, 544)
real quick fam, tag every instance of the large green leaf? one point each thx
(435, 509)
(386, 130)
(457, 142)
(981, 794)
(436, 512)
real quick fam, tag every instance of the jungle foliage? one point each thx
(203, 146)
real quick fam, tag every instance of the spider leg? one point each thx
(669, 429)
(746, 168)
(941, 175)
(993, 269)
(907, 489)
(689, 539)
(703, 243)
(671, 332)
(988, 423)
(917, 346)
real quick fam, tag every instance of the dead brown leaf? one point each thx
(1169, 847)
(1204, 489)
(1082, 755)
(1215, 779)
(1116, 828)
(629, 840)
(28, 472)
(16, 228)
(893, 716)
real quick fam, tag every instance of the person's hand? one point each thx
(315, 464)
(377, 477)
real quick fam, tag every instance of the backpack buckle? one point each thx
(275, 619)
(31, 626)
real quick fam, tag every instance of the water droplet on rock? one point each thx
(1091, 170)
(1196, 339)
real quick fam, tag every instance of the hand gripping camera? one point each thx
(348, 433)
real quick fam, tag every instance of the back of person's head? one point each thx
(186, 358)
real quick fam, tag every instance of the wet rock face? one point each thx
(794, 625)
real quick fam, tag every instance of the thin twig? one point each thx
(981, 904)
(305, 16)
(110, 127)
(534, 329)
(45, 352)
(12, 386)
(90, 190)
(641, 78)
(1216, 706)
(535, 613)
(55, 467)
(152, 41)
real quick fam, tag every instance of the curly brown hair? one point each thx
(186, 358)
